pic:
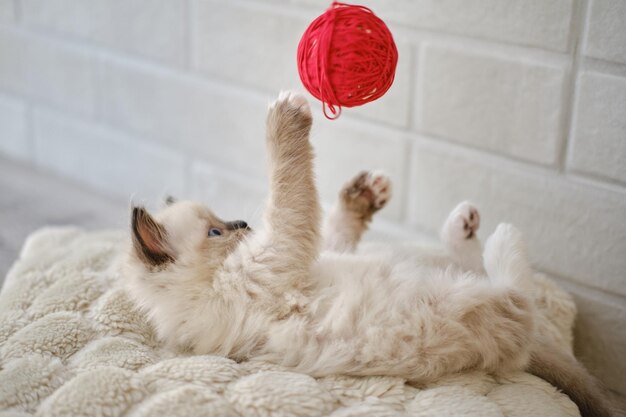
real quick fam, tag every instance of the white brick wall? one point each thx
(250, 52)
(7, 10)
(223, 126)
(136, 27)
(519, 105)
(13, 121)
(525, 22)
(498, 103)
(606, 37)
(599, 140)
(113, 162)
(48, 72)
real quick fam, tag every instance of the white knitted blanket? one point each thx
(72, 344)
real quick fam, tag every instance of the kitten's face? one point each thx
(184, 235)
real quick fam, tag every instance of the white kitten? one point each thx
(217, 287)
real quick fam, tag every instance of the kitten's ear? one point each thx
(149, 239)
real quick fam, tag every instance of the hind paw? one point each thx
(462, 223)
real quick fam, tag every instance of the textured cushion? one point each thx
(73, 344)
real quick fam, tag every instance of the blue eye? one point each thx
(215, 232)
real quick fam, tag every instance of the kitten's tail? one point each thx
(563, 371)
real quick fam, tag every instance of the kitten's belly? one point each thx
(356, 293)
(384, 265)
(376, 315)
(392, 314)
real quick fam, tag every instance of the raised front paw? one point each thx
(366, 193)
(289, 116)
(291, 100)
(462, 223)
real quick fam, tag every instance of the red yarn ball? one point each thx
(347, 57)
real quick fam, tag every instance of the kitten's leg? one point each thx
(351, 215)
(506, 258)
(499, 314)
(292, 215)
(459, 237)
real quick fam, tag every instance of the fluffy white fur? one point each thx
(271, 294)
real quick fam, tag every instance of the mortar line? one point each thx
(579, 28)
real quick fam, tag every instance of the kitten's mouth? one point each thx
(243, 234)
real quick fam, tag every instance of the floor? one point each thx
(30, 199)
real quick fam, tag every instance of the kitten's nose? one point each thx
(237, 224)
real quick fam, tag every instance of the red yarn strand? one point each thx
(346, 58)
